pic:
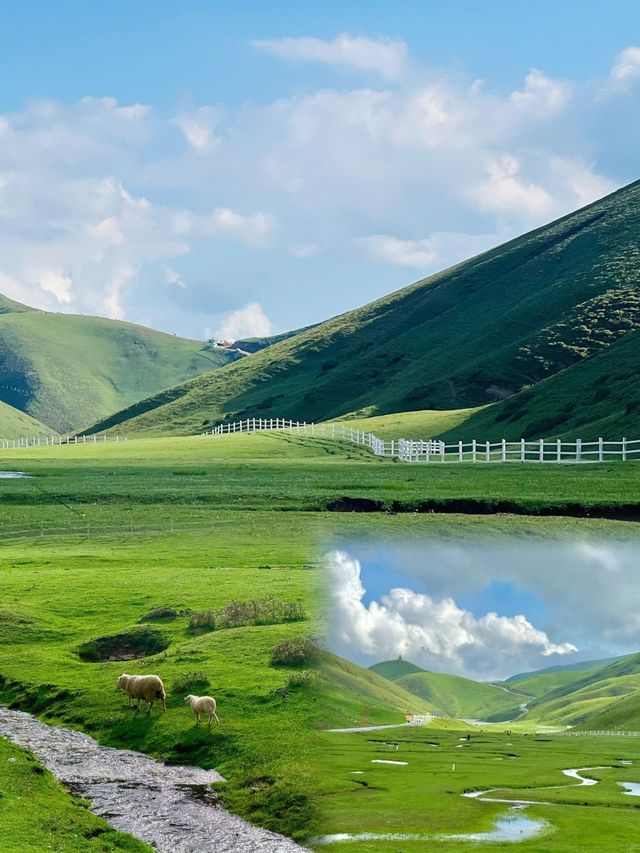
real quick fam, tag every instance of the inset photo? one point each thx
(481, 694)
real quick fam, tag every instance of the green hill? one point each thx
(597, 397)
(543, 682)
(354, 696)
(581, 701)
(17, 424)
(394, 669)
(473, 334)
(462, 697)
(256, 344)
(623, 715)
(66, 370)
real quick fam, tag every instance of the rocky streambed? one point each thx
(170, 807)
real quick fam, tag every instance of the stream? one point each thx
(170, 807)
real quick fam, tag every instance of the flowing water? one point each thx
(171, 807)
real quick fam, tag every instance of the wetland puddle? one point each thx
(508, 827)
(13, 475)
(170, 807)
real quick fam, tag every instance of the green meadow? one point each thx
(100, 535)
(424, 797)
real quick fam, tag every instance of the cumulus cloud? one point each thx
(386, 57)
(247, 322)
(626, 66)
(198, 129)
(97, 198)
(430, 631)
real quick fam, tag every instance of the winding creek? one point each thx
(170, 807)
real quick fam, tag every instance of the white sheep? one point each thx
(144, 688)
(203, 705)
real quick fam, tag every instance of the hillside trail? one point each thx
(170, 807)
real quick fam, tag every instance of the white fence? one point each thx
(57, 440)
(433, 450)
(592, 733)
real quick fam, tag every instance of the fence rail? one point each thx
(592, 732)
(57, 440)
(434, 450)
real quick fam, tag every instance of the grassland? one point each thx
(67, 370)
(56, 821)
(549, 300)
(200, 477)
(424, 796)
(105, 533)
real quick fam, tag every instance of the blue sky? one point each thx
(484, 611)
(236, 168)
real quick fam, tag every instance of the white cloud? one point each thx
(626, 66)
(503, 191)
(416, 254)
(440, 248)
(253, 229)
(386, 57)
(57, 283)
(198, 129)
(541, 95)
(428, 630)
(247, 322)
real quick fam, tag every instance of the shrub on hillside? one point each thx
(159, 614)
(204, 620)
(259, 611)
(296, 651)
(236, 614)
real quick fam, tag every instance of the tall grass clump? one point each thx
(237, 614)
(296, 651)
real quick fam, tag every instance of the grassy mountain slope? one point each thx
(463, 697)
(623, 715)
(473, 334)
(394, 669)
(66, 370)
(256, 344)
(354, 696)
(545, 681)
(17, 424)
(579, 701)
(597, 397)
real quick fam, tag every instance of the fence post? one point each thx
(460, 453)
(578, 450)
(504, 449)
(624, 449)
(600, 450)
(559, 451)
(523, 450)
(488, 452)
(473, 450)
(541, 450)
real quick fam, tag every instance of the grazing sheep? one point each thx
(203, 705)
(144, 688)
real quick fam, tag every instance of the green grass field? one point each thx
(200, 477)
(103, 534)
(424, 796)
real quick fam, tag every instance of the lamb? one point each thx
(145, 688)
(203, 705)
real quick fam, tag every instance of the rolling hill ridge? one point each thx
(474, 334)
(64, 370)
